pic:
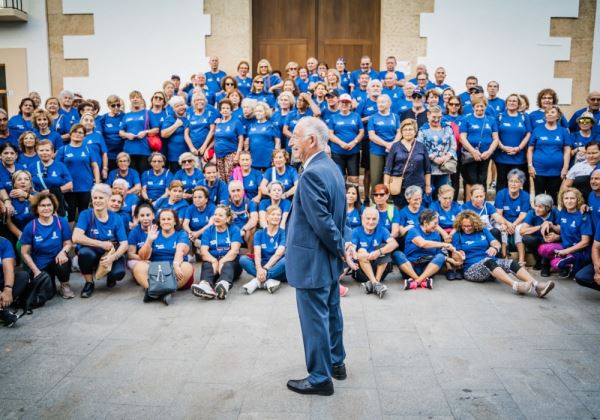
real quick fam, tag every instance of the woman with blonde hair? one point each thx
(272, 82)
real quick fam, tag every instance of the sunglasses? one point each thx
(159, 97)
(453, 103)
(230, 84)
(79, 132)
(115, 105)
(595, 99)
(584, 121)
(187, 161)
(378, 194)
(259, 82)
(293, 68)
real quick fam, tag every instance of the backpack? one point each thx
(40, 290)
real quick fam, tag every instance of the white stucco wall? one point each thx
(32, 36)
(137, 44)
(508, 41)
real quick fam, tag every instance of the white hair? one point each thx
(176, 100)
(102, 189)
(316, 127)
(66, 93)
(412, 190)
(235, 183)
(120, 181)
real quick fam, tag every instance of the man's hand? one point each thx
(350, 256)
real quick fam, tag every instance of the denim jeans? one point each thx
(276, 272)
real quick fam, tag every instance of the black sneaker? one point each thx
(110, 282)
(88, 290)
(368, 287)
(460, 275)
(8, 318)
(564, 273)
(537, 265)
(147, 297)
(167, 299)
(451, 275)
(545, 271)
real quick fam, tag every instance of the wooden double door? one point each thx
(293, 30)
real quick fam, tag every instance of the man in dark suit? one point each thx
(317, 243)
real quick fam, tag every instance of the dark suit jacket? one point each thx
(316, 229)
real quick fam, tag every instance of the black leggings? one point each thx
(502, 170)
(230, 272)
(531, 243)
(491, 265)
(139, 163)
(89, 259)
(77, 202)
(19, 286)
(60, 271)
(348, 164)
(476, 172)
(547, 185)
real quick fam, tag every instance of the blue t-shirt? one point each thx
(244, 85)
(18, 125)
(6, 177)
(261, 138)
(594, 205)
(573, 226)
(292, 120)
(538, 118)
(287, 179)
(28, 161)
(475, 245)
(353, 218)
(242, 212)
(484, 212)
(479, 131)
(180, 207)
(137, 237)
(176, 144)
(134, 122)
(219, 243)
(94, 141)
(385, 126)
(548, 149)
(46, 241)
(511, 208)
(156, 185)
(6, 251)
(218, 193)
(164, 248)
(110, 126)
(198, 219)
(111, 230)
(132, 177)
(346, 128)
(388, 217)
(414, 252)
(497, 104)
(189, 181)
(251, 183)
(268, 244)
(78, 161)
(284, 205)
(199, 126)
(213, 80)
(22, 214)
(45, 177)
(511, 131)
(52, 135)
(370, 241)
(129, 203)
(446, 218)
(408, 218)
(226, 137)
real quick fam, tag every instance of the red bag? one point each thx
(155, 142)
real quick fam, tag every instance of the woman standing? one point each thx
(514, 131)
(260, 92)
(42, 123)
(110, 125)
(28, 145)
(94, 141)
(479, 138)
(101, 239)
(82, 161)
(384, 131)
(346, 132)
(262, 137)
(546, 99)
(201, 126)
(229, 140)
(172, 130)
(134, 130)
(549, 154)
(22, 122)
(408, 159)
(243, 79)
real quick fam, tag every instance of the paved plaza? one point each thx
(460, 351)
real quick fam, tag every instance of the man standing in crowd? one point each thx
(317, 243)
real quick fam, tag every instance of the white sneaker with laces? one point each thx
(203, 290)
(272, 285)
(251, 286)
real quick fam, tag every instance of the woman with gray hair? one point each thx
(513, 203)
(189, 174)
(124, 171)
(535, 229)
(101, 242)
(408, 216)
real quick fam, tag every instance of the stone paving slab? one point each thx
(464, 351)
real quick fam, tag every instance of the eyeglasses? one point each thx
(595, 99)
(293, 68)
(79, 132)
(229, 84)
(379, 194)
(264, 67)
(115, 105)
(421, 80)
(453, 104)
(159, 97)
(259, 82)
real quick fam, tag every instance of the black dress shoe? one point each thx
(8, 318)
(88, 290)
(302, 386)
(339, 372)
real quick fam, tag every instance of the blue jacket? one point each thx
(317, 226)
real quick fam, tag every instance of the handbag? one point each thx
(467, 157)
(395, 182)
(154, 141)
(449, 167)
(161, 279)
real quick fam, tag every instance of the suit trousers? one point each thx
(322, 330)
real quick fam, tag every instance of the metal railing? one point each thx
(12, 4)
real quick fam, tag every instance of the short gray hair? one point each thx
(121, 181)
(175, 100)
(410, 191)
(102, 189)
(543, 200)
(235, 183)
(516, 173)
(186, 156)
(316, 127)
(435, 109)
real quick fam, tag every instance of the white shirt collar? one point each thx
(310, 159)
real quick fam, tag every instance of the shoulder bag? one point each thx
(467, 157)
(154, 141)
(395, 182)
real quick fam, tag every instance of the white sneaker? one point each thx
(222, 288)
(272, 285)
(203, 290)
(251, 286)
(75, 264)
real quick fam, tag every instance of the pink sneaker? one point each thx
(343, 290)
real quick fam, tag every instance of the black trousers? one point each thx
(20, 285)
(89, 258)
(139, 163)
(502, 170)
(77, 202)
(547, 185)
(230, 272)
(531, 243)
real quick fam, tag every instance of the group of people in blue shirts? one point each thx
(181, 152)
